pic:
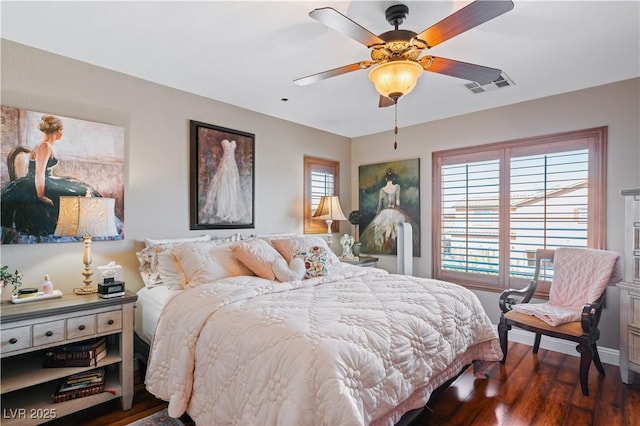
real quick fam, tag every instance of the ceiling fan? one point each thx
(396, 54)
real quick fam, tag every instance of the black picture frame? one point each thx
(222, 177)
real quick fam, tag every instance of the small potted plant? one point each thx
(354, 218)
(13, 279)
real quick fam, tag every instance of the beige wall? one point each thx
(614, 105)
(156, 122)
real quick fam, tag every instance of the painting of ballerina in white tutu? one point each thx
(389, 194)
(222, 172)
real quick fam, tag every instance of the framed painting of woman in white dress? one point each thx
(389, 194)
(222, 177)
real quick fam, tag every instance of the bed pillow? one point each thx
(316, 261)
(205, 263)
(287, 247)
(149, 242)
(294, 271)
(257, 255)
(148, 268)
(170, 271)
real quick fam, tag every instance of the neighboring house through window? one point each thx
(494, 205)
(321, 177)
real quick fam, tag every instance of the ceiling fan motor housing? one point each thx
(396, 14)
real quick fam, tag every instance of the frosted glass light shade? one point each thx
(395, 78)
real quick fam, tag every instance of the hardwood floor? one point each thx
(529, 389)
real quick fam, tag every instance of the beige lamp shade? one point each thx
(329, 209)
(395, 78)
(86, 217)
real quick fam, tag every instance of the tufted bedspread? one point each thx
(358, 347)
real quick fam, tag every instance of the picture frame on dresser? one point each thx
(222, 174)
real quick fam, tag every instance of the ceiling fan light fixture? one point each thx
(396, 78)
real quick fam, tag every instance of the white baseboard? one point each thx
(607, 355)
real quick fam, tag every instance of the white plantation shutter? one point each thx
(322, 183)
(471, 221)
(495, 205)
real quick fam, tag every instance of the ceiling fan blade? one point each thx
(478, 73)
(470, 16)
(336, 20)
(332, 73)
(385, 102)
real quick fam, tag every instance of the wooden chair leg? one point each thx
(596, 359)
(586, 356)
(503, 329)
(536, 343)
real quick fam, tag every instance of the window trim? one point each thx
(595, 139)
(311, 164)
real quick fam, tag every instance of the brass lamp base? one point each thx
(87, 289)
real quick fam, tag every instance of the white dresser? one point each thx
(630, 289)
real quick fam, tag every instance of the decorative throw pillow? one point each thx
(204, 263)
(316, 261)
(257, 255)
(294, 271)
(287, 247)
(148, 259)
(171, 272)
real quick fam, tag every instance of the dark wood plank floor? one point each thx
(529, 389)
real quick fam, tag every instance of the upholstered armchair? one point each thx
(576, 300)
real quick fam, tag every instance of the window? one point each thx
(494, 205)
(321, 177)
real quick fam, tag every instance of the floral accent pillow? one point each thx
(316, 261)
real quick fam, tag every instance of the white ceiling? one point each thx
(248, 53)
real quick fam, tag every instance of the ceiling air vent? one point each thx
(499, 83)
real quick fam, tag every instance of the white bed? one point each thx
(349, 346)
(151, 301)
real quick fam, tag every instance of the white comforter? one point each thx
(358, 347)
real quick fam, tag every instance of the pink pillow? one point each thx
(257, 255)
(288, 247)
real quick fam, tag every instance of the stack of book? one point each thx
(80, 385)
(85, 354)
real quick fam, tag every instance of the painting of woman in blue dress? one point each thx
(387, 200)
(31, 197)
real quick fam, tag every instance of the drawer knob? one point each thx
(81, 327)
(13, 340)
(49, 333)
(110, 322)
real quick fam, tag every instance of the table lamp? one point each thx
(329, 210)
(86, 217)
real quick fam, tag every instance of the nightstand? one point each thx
(364, 261)
(30, 328)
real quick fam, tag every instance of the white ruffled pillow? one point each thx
(294, 271)
(150, 242)
(205, 263)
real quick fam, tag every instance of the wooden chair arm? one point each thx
(591, 315)
(508, 298)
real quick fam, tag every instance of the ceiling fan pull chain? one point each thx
(395, 130)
